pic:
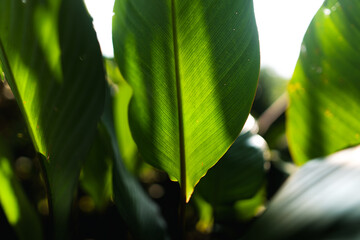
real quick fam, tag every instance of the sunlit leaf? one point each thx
(240, 173)
(206, 215)
(193, 66)
(246, 209)
(324, 91)
(121, 96)
(320, 201)
(52, 61)
(140, 213)
(18, 210)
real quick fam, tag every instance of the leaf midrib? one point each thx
(179, 104)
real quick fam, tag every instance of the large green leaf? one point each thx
(320, 201)
(18, 210)
(141, 214)
(324, 91)
(239, 174)
(52, 61)
(193, 66)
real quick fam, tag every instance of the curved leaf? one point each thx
(247, 209)
(320, 201)
(324, 92)
(52, 61)
(239, 174)
(193, 66)
(121, 96)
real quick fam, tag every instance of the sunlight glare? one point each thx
(281, 24)
(102, 12)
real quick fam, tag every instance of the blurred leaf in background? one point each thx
(20, 212)
(240, 173)
(323, 115)
(121, 95)
(271, 86)
(96, 175)
(140, 213)
(233, 190)
(320, 201)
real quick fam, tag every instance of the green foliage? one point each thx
(18, 209)
(177, 96)
(53, 64)
(190, 100)
(324, 91)
(121, 95)
(96, 177)
(241, 169)
(141, 214)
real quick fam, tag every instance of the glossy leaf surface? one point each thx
(320, 201)
(193, 66)
(52, 61)
(239, 174)
(323, 115)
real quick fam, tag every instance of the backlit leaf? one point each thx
(53, 64)
(193, 66)
(323, 115)
(121, 96)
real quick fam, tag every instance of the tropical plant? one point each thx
(81, 135)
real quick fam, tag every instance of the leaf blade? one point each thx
(50, 69)
(190, 73)
(322, 115)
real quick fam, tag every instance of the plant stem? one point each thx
(272, 113)
(182, 208)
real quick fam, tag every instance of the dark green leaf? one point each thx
(96, 175)
(239, 174)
